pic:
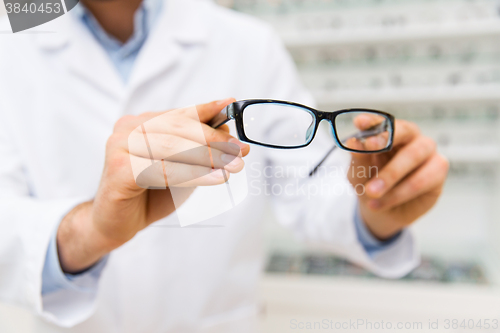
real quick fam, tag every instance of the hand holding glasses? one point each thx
(294, 126)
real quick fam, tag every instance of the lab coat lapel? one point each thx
(83, 55)
(181, 24)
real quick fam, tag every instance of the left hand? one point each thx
(410, 180)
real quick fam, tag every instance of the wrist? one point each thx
(79, 243)
(380, 227)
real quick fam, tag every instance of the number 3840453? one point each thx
(33, 8)
(471, 324)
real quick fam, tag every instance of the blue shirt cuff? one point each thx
(371, 244)
(54, 279)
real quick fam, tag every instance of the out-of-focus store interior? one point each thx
(434, 62)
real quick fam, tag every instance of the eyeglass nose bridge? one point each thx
(326, 116)
(319, 116)
(330, 118)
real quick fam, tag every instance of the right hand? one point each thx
(121, 207)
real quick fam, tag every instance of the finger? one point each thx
(181, 126)
(372, 143)
(415, 208)
(365, 166)
(367, 120)
(163, 174)
(428, 178)
(376, 142)
(202, 113)
(209, 110)
(216, 136)
(403, 163)
(404, 132)
(128, 123)
(360, 162)
(224, 128)
(177, 149)
(354, 144)
(212, 136)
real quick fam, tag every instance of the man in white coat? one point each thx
(88, 250)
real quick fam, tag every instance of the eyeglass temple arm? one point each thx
(375, 130)
(223, 117)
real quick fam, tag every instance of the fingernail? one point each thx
(238, 142)
(224, 101)
(376, 186)
(374, 204)
(231, 160)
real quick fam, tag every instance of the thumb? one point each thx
(209, 110)
(359, 170)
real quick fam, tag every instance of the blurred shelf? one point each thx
(472, 154)
(381, 35)
(340, 299)
(287, 7)
(430, 270)
(358, 98)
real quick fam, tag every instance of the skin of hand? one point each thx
(121, 208)
(409, 182)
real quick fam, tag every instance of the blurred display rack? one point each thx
(381, 35)
(430, 270)
(410, 96)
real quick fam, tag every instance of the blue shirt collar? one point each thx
(144, 20)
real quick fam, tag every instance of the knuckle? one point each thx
(429, 143)
(408, 126)
(149, 115)
(413, 127)
(114, 141)
(421, 150)
(391, 176)
(212, 136)
(124, 123)
(117, 162)
(415, 155)
(443, 164)
(415, 186)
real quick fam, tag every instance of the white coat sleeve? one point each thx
(321, 209)
(26, 227)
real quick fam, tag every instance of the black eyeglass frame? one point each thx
(235, 111)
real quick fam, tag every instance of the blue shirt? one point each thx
(123, 57)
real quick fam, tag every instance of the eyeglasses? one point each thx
(288, 125)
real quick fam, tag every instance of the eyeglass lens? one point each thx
(294, 126)
(291, 126)
(363, 131)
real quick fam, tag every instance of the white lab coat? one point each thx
(60, 97)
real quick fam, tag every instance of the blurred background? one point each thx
(434, 62)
